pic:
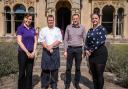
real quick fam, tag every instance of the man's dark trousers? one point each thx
(73, 52)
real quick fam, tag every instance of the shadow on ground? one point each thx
(85, 81)
(36, 80)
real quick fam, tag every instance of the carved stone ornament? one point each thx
(28, 2)
(116, 4)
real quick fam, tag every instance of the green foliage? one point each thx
(8, 58)
(118, 62)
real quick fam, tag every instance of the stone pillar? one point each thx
(114, 24)
(124, 30)
(75, 11)
(101, 16)
(4, 24)
(50, 11)
(35, 15)
(12, 24)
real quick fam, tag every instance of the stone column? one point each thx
(35, 15)
(4, 24)
(124, 30)
(114, 24)
(76, 8)
(101, 16)
(12, 24)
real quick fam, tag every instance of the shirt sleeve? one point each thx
(41, 37)
(19, 31)
(99, 40)
(34, 31)
(66, 40)
(86, 42)
(59, 35)
(84, 34)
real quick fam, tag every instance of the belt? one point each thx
(53, 48)
(75, 46)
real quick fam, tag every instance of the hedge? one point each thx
(8, 58)
(118, 62)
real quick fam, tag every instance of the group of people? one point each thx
(77, 42)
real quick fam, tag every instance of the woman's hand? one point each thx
(28, 54)
(32, 55)
(88, 53)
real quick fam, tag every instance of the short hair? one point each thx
(75, 15)
(50, 16)
(95, 14)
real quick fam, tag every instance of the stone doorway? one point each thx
(63, 15)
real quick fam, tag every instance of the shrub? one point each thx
(8, 58)
(118, 62)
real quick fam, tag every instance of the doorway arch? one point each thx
(107, 18)
(63, 15)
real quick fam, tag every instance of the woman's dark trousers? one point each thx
(25, 71)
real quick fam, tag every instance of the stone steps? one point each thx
(37, 66)
(62, 62)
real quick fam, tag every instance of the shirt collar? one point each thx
(50, 28)
(76, 26)
(25, 27)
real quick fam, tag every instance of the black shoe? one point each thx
(67, 86)
(77, 86)
(44, 88)
(54, 87)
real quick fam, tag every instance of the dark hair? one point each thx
(27, 15)
(95, 14)
(76, 15)
(50, 16)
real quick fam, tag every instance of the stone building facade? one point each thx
(113, 13)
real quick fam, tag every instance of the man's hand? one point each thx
(50, 48)
(83, 54)
(65, 55)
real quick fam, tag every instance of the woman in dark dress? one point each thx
(96, 51)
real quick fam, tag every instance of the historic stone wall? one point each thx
(84, 8)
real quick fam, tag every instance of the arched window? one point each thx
(19, 8)
(31, 11)
(19, 11)
(7, 11)
(96, 10)
(120, 20)
(107, 18)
